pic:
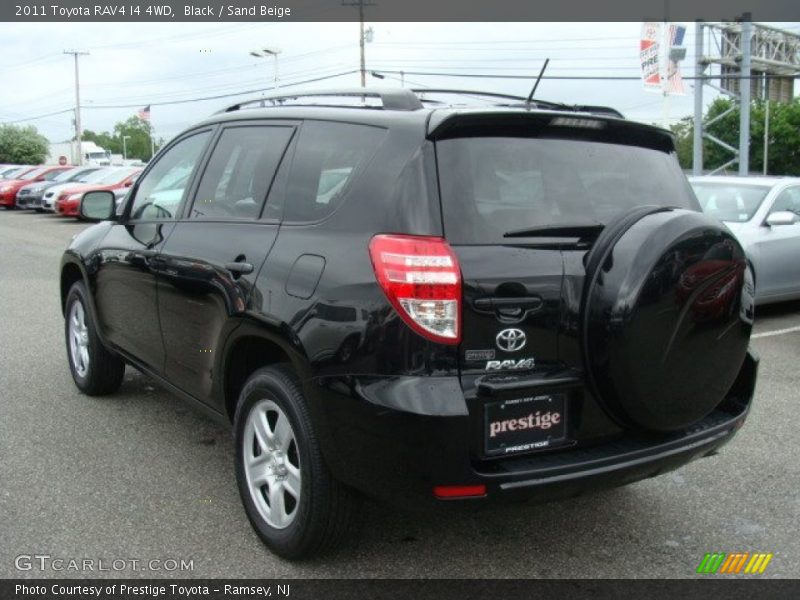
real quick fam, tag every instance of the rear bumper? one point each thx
(399, 455)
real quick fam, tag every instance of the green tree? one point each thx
(784, 137)
(683, 131)
(22, 145)
(138, 144)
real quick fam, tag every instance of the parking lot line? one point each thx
(776, 332)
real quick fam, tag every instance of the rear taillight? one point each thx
(421, 278)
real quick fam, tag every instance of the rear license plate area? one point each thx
(524, 424)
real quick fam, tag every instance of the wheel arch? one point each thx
(71, 272)
(251, 346)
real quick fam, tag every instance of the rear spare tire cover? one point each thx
(665, 328)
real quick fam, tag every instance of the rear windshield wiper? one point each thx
(584, 232)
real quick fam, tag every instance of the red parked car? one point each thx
(69, 201)
(9, 188)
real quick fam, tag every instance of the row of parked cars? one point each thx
(59, 188)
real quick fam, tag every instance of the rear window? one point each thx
(33, 174)
(491, 185)
(328, 157)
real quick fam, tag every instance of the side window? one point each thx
(240, 171)
(161, 189)
(788, 200)
(327, 158)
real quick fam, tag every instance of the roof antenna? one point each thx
(538, 79)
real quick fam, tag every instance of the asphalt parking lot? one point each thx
(138, 475)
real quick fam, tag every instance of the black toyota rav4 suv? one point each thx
(419, 302)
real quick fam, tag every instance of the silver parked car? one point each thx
(764, 214)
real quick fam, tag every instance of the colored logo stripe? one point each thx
(720, 562)
(758, 563)
(711, 562)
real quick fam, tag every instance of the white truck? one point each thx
(67, 153)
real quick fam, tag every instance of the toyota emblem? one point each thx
(511, 340)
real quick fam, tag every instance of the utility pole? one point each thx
(699, 68)
(744, 96)
(76, 54)
(360, 4)
(766, 122)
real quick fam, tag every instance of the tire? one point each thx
(662, 288)
(312, 511)
(95, 370)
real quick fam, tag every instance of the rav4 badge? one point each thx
(499, 365)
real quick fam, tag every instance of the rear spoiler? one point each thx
(583, 125)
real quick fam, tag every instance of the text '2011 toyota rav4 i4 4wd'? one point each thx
(423, 304)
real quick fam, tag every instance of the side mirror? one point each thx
(781, 217)
(98, 206)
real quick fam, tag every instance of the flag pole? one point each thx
(152, 137)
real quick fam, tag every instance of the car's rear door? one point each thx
(208, 267)
(522, 202)
(778, 272)
(127, 260)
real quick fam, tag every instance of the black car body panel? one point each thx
(199, 302)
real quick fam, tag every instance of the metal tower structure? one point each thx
(755, 61)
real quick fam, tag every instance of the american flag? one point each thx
(144, 114)
(674, 80)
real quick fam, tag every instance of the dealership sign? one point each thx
(660, 53)
(650, 55)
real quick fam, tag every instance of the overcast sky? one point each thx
(138, 64)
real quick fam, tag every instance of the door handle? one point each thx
(524, 302)
(239, 268)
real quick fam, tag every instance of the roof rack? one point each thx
(405, 99)
(391, 98)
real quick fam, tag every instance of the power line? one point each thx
(189, 100)
(37, 117)
(218, 96)
(571, 77)
(224, 87)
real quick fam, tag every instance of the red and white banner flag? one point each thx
(650, 54)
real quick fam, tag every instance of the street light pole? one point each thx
(76, 54)
(125, 139)
(273, 52)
